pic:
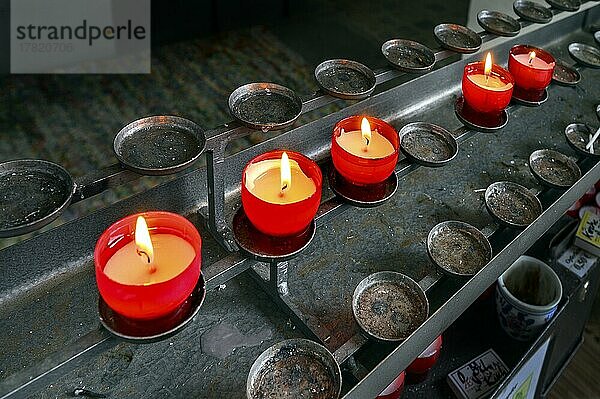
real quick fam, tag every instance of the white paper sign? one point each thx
(577, 260)
(479, 376)
(523, 385)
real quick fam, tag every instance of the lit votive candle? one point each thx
(281, 192)
(148, 264)
(364, 150)
(532, 70)
(487, 87)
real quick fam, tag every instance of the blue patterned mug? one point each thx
(527, 296)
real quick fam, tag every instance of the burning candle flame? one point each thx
(143, 244)
(286, 172)
(487, 69)
(531, 56)
(365, 128)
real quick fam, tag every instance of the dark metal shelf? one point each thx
(62, 248)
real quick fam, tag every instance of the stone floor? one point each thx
(580, 378)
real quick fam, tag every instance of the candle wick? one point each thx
(143, 254)
(282, 192)
(151, 267)
(487, 78)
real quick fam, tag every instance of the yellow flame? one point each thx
(365, 128)
(531, 56)
(143, 243)
(488, 64)
(286, 172)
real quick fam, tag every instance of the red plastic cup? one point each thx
(588, 208)
(573, 211)
(533, 77)
(154, 300)
(394, 390)
(426, 360)
(364, 171)
(482, 99)
(283, 220)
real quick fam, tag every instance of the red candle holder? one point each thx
(394, 390)
(364, 171)
(153, 300)
(419, 368)
(531, 79)
(283, 220)
(482, 99)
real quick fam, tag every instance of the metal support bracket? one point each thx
(274, 282)
(216, 222)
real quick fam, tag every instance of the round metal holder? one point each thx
(265, 106)
(585, 55)
(345, 79)
(532, 11)
(578, 136)
(159, 145)
(529, 99)
(554, 169)
(458, 248)
(498, 23)
(294, 368)
(408, 55)
(565, 75)
(33, 194)
(511, 204)
(389, 306)
(427, 144)
(153, 330)
(267, 248)
(362, 196)
(478, 121)
(457, 38)
(565, 5)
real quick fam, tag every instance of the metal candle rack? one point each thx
(271, 274)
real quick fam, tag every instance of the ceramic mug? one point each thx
(527, 296)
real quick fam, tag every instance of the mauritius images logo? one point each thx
(80, 36)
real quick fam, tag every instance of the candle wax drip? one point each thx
(354, 143)
(263, 179)
(491, 82)
(172, 254)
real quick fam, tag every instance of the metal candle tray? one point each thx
(53, 341)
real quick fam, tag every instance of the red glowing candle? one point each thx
(394, 390)
(148, 264)
(364, 153)
(281, 192)
(531, 68)
(427, 359)
(487, 87)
